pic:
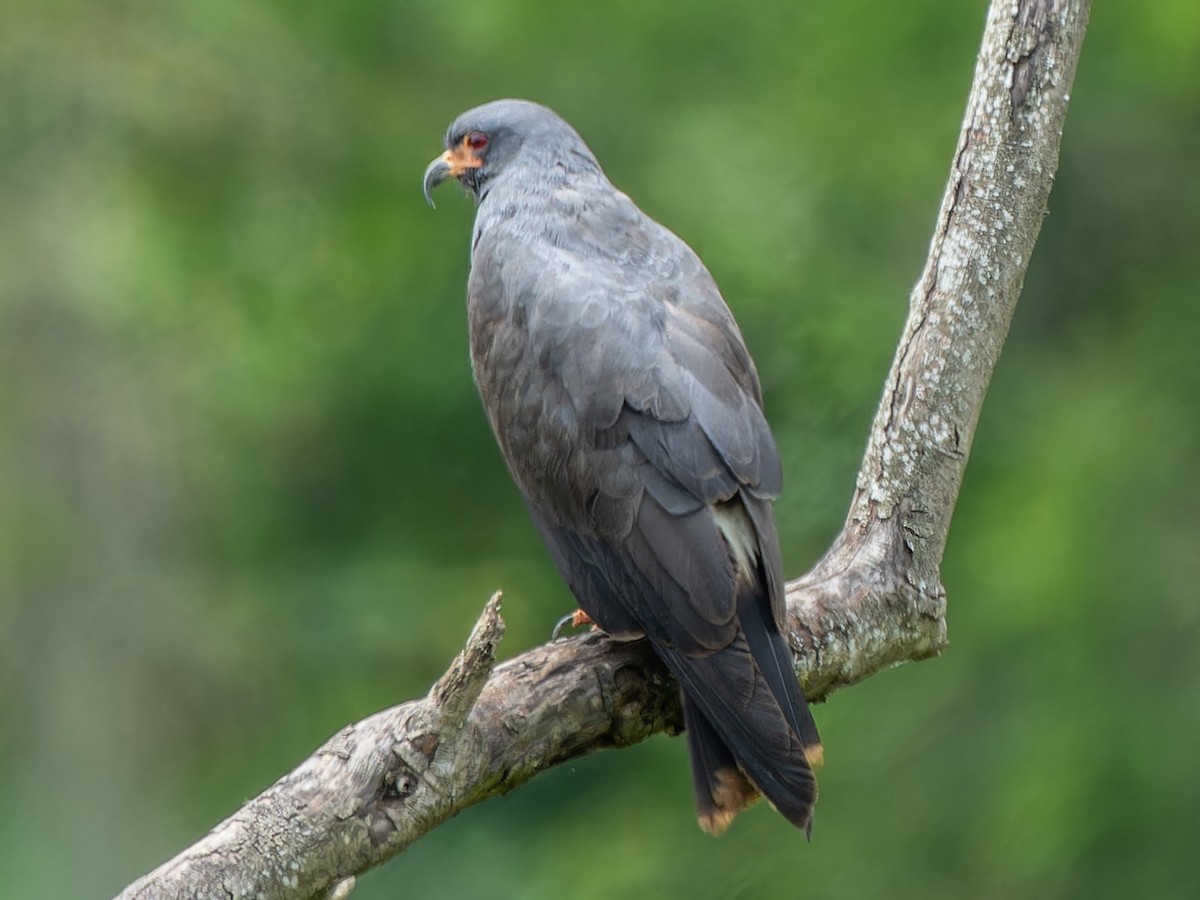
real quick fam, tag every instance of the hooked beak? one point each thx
(454, 163)
(437, 172)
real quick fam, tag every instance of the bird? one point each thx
(629, 412)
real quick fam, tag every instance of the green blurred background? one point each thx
(247, 494)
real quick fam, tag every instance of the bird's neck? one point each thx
(521, 196)
(536, 177)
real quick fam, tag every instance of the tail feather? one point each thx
(770, 651)
(749, 727)
(722, 789)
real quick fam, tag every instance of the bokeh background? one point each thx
(247, 494)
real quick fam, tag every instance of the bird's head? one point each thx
(487, 141)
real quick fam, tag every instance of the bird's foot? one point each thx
(576, 619)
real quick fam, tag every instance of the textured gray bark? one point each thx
(875, 599)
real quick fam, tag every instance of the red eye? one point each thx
(476, 140)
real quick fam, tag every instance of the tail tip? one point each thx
(730, 793)
(716, 821)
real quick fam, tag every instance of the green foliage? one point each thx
(247, 494)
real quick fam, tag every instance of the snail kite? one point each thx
(630, 415)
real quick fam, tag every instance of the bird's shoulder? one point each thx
(577, 264)
(614, 346)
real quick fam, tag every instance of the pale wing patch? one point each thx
(738, 531)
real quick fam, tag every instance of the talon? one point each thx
(576, 619)
(560, 625)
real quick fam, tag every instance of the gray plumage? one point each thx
(630, 415)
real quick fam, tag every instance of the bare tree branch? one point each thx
(875, 599)
(880, 580)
